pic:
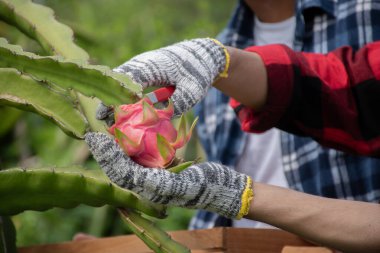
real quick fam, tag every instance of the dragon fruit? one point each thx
(147, 135)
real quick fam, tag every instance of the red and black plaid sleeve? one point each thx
(333, 98)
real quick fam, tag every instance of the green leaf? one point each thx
(45, 188)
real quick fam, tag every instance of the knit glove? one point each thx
(208, 186)
(191, 66)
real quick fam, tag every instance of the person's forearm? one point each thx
(329, 97)
(350, 226)
(247, 79)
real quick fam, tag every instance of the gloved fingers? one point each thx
(104, 148)
(112, 159)
(135, 72)
(181, 101)
(106, 113)
(148, 69)
(186, 95)
(209, 186)
(122, 170)
(157, 185)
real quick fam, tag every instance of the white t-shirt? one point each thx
(261, 158)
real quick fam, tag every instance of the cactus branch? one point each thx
(155, 238)
(38, 22)
(23, 92)
(45, 188)
(91, 80)
(7, 235)
(88, 108)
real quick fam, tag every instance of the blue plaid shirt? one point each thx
(321, 26)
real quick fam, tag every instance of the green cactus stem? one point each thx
(155, 238)
(23, 92)
(45, 188)
(91, 80)
(7, 235)
(88, 108)
(38, 22)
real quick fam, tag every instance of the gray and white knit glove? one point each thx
(191, 66)
(208, 186)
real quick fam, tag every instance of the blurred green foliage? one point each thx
(111, 31)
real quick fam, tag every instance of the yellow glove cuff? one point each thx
(227, 66)
(246, 199)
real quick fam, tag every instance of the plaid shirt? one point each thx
(333, 98)
(321, 26)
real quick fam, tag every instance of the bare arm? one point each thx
(246, 69)
(350, 226)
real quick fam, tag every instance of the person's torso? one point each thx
(321, 26)
(261, 156)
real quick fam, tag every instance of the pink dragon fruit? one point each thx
(147, 135)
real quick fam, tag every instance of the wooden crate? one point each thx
(230, 240)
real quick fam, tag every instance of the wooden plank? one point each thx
(217, 240)
(208, 240)
(200, 239)
(207, 251)
(116, 244)
(294, 249)
(244, 240)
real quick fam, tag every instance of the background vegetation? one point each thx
(111, 32)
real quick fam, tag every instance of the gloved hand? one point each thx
(208, 186)
(191, 66)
